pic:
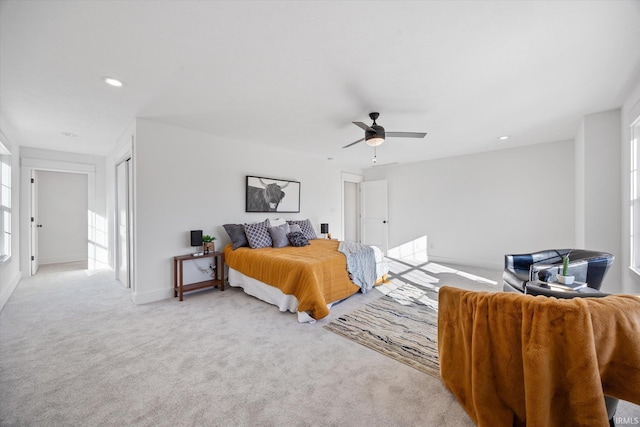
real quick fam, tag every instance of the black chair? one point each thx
(587, 266)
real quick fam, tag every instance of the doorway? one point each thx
(351, 207)
(32, 168)
(60, 218)
(124, 218)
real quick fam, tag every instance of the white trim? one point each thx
(152, 296)
(56, 166)
(61, 259)
(469, 263)
(13, 284)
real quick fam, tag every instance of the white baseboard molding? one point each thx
(13, 284)
(61, 259)
(152, 296)
(470, 263)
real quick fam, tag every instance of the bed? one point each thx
(304, 280)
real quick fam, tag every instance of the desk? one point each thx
(179, 288)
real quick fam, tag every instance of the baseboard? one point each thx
(470, 263)
(61, 259)
(13, 284)
(152, 296)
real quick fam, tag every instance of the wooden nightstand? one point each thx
(179, 288)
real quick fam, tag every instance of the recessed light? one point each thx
(70, 134)
(113, 82)
(504, 137)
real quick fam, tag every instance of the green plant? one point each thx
(565, 265)
(206, 238)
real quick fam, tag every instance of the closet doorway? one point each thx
(124, 219)
(351, 207)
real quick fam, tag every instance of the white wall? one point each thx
(598, 190)
(10, 272)
(474, 209)
(580, 189)
(630, 112)
(62, 211)
(188, 180)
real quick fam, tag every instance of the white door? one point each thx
(122, 223)
(374, 214)
(35, 226)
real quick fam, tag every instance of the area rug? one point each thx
(402, 325)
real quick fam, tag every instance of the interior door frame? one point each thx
(34, 219)
(27, 168)
(357, 179)
(129, 227)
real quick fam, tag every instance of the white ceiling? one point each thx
(295, 74)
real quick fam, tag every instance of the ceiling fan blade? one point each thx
(353, 143)
(407, 134)
(363, 126)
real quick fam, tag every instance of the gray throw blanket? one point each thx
(361, 264)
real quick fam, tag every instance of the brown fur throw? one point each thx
(513, 359)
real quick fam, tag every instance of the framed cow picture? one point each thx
(272, 195)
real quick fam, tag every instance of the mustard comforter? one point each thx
(315, 274)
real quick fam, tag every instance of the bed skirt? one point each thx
(270, 294)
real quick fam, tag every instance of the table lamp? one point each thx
(196, 240)
(324, 229)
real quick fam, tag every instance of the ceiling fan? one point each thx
(374, 135)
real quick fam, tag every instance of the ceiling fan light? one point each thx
(375, 141)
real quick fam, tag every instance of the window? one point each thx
(5, 203)
(634, 205)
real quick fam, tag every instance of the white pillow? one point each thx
(275, 222)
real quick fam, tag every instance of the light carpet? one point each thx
(402, 325)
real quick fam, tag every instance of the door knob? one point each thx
(39, 225)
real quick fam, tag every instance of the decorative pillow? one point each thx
(275, 222)
(237, 235)
(306, 227)
(294, 227)
(279, 235)
(297, 239)
(258, 235)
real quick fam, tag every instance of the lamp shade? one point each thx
(324, 228)
(374, 142)
(196, 237)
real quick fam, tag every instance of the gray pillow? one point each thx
(294, 228)
(237, 235)
(279, 235)
(306, 227)
(258, 235)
